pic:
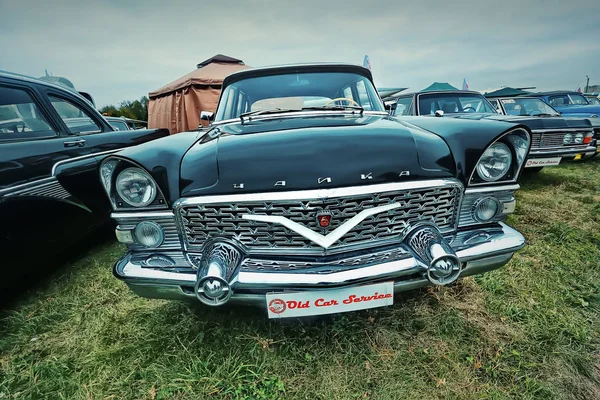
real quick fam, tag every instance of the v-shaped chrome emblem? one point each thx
(332, 237)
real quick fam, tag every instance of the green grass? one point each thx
(529, 330)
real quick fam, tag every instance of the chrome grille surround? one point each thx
(211, 217)
(545, 139)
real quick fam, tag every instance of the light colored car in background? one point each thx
(126, 124)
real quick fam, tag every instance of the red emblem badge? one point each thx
(324, 219)
(277, 306)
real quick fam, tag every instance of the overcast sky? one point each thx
(119, 50)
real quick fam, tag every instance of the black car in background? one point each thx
(553, 138)
(51, 142)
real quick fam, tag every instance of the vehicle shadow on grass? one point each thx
(543, 178)
(238, 315)
(41, 269)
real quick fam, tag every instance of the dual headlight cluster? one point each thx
(570, 138)
(128, 185)
(497, 161)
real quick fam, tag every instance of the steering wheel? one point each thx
(342, 99)
(466, 108)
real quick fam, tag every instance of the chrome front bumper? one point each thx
(479, 250)
(562, 152)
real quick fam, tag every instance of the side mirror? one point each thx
(207, 116)
(439, 113)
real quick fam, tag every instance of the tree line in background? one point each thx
(137, 109)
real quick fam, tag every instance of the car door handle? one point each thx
(75, 143)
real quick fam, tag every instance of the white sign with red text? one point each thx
(542, 162)
(320, 302)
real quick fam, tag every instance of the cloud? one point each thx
(120, 50)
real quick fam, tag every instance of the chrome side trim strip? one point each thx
(26, 186)
(68, 160)
(53, 173)
(317, 193)
(47, 187)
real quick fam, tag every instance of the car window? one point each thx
(578, 99)
(594, 101)
(295, 91)
(119, 125)
(77, 120)
(495, 104)
(454, 103)
(527, 106)
(557, 101)
(403, 106)
(20, 117)
(363, 96)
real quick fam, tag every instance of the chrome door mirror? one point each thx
(207, 116)
(439, 113)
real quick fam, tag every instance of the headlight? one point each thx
(136, 187)
(579, 138)
(485, 209)
(494, 162)
(567, 139)
(149, 234)
(106, 170)
(520, 146)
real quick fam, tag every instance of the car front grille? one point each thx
(203, 219)
(542, 140)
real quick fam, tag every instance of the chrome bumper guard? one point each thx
(468, 252)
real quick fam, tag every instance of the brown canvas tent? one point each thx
(177, 105)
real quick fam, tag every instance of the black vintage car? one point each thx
(51, 142)
(305, 197)
(553, 138)
(535, 107)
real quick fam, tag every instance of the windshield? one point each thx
(454, 103)
(527, 107)
(296, 91)
(403, 106)
(593, 100)
(119, 125)
(578, 99)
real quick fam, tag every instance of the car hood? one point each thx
(534, 123)
(583, 109)
(314, 152)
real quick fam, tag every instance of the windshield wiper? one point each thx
(335, 108)
(268, 111)
(543, 115)
(282, 110)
